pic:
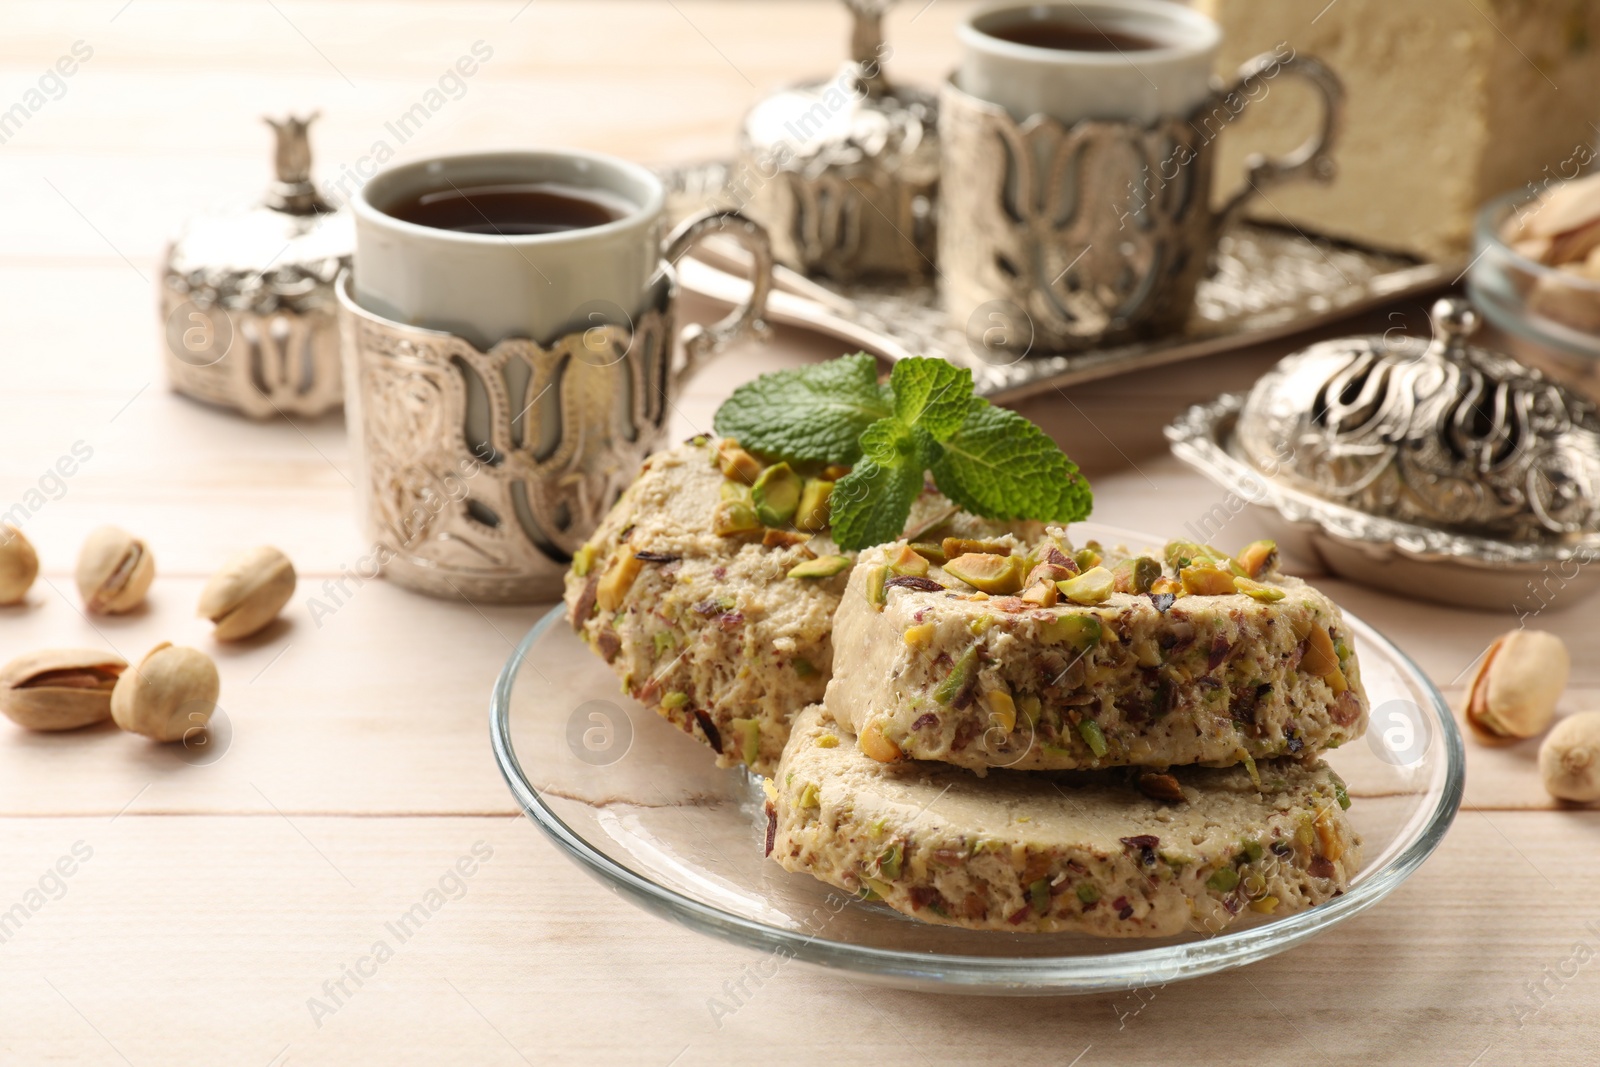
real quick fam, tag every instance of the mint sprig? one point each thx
(813, 414)
(988, 460)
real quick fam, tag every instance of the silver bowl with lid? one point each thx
(843, 171)
(1436, 469)
(249, 320)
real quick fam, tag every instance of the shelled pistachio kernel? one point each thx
(876, 590)
(1135, 575)
(1514, 691)
(618, 578)
(1321, 658)
(816, 498)
(821, 567)
(904, 561)
(1204, 579)
(952, 547)
(1258, 558)
(1042, 594)
(776, 494)
(772, 538)
(248, 592)
(999, 575)
(875, 745)
(1080, 631)
(1093, 586)
(59, 688)
(168, 695)
(19, 564)
(115, 570)
(735, 463)
(1267, 594)
(734, 518)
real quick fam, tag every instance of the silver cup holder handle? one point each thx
(701, 342)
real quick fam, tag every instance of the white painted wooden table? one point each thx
(211, 909)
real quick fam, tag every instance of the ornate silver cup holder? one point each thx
(481, 472)
(1267, 282)
(1431, 469)
(461, 494)
(1097, 234)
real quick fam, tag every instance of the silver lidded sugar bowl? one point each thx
(843, 172)
(1438, 469)
(248, 313)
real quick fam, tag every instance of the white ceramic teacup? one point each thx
(485, 287)
(1133, 84)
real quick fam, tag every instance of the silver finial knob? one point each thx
(866, 43)
(1454, 320)
(293, 190)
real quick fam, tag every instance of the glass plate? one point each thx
(641, 807)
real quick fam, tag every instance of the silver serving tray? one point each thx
(1269, 282)
(1525, 577)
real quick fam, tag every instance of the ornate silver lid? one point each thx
(1438, 433)
(247, 299)
(842, 171)
(284, 252)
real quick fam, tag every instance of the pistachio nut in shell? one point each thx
(19, 564)
(168, 694)
(1569, 759)
(1514, 692)
(60, 688)
(115, 570)
(248, 592)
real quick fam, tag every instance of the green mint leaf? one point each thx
(1001, 466)
(931, 394)
(810, 414)
(871, 503)
(889, 443)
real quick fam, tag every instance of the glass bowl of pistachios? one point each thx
(1535, 270)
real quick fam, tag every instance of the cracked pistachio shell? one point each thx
(168, 694)
(19, 564)
(115, 570)
(248, 592)
(59, 688)
(1514, 692)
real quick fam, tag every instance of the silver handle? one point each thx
(1314, 158)
(701, 342)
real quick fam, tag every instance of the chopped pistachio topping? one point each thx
(876, 594)
(821, 567)
(958, 677)
(812, 514)
(776, 494)
(1223, 879)
(1093, 586)
(1079, 631)
(1093, 736)
(991, 573)
(889, 862)
(749, 734)
(1267, 594)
